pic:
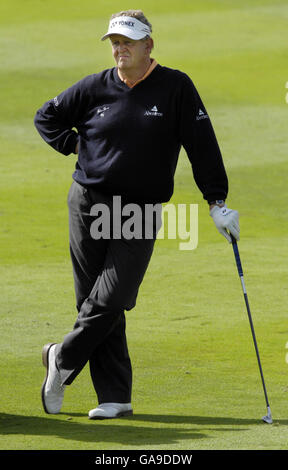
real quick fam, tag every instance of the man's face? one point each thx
(128, 53)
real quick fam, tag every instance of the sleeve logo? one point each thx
(201, 115)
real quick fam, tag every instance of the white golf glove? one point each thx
(226, 220)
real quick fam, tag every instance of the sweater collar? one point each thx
(149, 71)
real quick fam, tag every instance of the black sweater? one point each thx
(130, 138)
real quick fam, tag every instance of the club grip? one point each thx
(237, 256)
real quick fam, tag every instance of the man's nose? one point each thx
(122, 48)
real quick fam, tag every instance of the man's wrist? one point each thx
(216, 202)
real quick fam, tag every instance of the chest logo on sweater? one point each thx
(153, 112)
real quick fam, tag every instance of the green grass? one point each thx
(196, 380)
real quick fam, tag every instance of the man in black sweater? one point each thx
(130, 122)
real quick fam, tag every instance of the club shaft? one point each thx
(256, 347)
(240, 272)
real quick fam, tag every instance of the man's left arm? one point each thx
(199, 140)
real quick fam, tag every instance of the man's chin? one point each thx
(123, 63)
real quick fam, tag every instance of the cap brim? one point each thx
(125, 32)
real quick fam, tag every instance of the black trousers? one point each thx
(107, 275)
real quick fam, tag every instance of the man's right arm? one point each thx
(57, 118)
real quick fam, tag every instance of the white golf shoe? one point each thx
(111, 410)
(52, 391)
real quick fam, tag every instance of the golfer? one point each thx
(127, 124)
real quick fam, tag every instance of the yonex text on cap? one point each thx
(127, 26)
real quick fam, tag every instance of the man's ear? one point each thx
(150, 44)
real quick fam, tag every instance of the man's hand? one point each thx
(226, 220)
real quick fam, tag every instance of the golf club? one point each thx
(268, 417)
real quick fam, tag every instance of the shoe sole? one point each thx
(119, 415)
(45, 361)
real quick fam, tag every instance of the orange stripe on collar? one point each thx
(130, 84)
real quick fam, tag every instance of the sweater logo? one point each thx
(153, 112)
(101, 111)
(201, 115)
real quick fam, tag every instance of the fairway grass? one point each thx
(196, 381)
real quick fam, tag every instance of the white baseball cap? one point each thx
(127, 26)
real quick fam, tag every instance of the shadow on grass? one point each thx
(94, 431)
(111, 431)
(204, 420)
